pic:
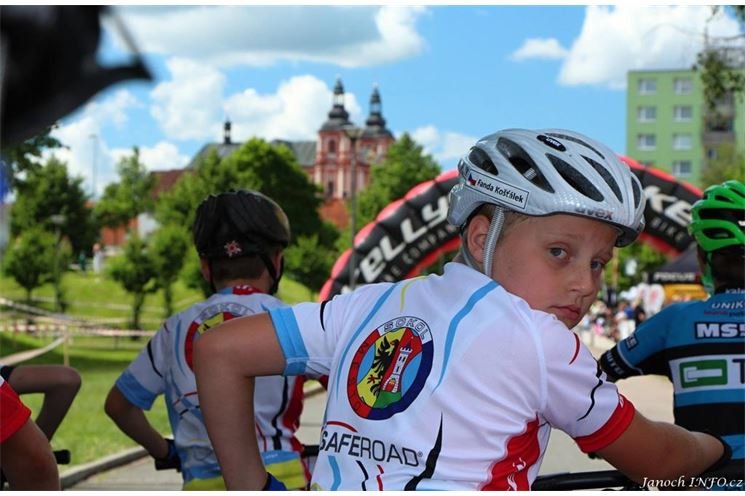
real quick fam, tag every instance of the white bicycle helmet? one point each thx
(545, 172)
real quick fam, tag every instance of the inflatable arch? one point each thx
(412, 232)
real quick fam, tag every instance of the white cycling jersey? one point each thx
(164, 367)
(446, 382)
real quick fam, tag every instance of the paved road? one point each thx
(651, 395)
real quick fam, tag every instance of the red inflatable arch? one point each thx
(412, 232)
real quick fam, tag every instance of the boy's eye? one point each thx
(598, 265)
(557, 252)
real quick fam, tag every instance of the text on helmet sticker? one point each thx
(502, 192)
(552, 142)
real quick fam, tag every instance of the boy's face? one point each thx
(555, 263)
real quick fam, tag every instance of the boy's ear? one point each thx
(476, 236)
(204, 268)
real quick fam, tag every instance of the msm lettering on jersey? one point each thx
(370, 449)
(706, 330)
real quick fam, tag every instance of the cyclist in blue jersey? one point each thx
(700, 345)
(240, 237)
(454, 381)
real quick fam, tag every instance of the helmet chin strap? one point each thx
(495, 228)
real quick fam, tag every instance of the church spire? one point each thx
(375, 123)
(338, 115)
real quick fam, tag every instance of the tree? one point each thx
(128, 198)
(168, 247)
(135, 271)
(258, 165)
(48, 191)
(25, 157)
(647, 260)
(308, 262)
(405, 166)
(729, 163)
(722, 62)
(30, 259)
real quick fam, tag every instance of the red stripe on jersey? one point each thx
(291, 417)
(576, 349)
(613, 428)
(379, 478)
(511, 473)
(13, 413)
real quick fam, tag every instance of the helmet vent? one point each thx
(480, 159)
(637, 193)
(575, 140)
(607, 177)
(575, 179)
(523, 162)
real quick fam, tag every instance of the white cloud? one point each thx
(295, 111)
(85, 152)
(614, 40)
(540, 48)
(349, 36)
(189, 106)
(162, 156)
(446, 147)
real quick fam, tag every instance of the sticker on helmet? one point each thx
(552, 142)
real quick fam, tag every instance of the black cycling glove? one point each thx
(171, 460)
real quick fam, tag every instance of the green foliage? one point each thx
(135, 271)
(728, 164)
(131, 196)
(168, 247)
(721, 63)
(310, 263)
(25, 157)
(191, 274)
(30, 259)
(647, 258)
(48, 191)
(405, 166)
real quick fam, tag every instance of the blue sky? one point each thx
(447, 75)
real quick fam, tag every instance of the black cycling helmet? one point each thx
(239, 224)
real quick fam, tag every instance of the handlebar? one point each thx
(62, 457)
(600, 479)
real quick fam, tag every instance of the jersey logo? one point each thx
(198, 327)
(716, 330)
(390, 367)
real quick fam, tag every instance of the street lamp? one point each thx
(353, 133)
(94, 146)
(58, 220)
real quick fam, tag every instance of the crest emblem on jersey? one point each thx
(198, 327)
(390, 367)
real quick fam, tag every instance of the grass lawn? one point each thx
(86, 431)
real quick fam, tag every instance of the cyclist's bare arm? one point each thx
(659, 450)
(58, 384)
(226, 358)
(27, 460)
(132, 421)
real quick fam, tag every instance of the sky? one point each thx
(447, 75)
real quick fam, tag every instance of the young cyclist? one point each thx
(59, 385)
(454, 381)
(240, 237)
(700, 345)
(26, 458)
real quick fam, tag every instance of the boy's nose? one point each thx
(582, 280)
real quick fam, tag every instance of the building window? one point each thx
(332, 146)
(711, 153)
(646, 142)
(647, 86)
(683, 86)
(682, 113)
(330, 189)
(682, 142)
(646, 114)
(682, 168)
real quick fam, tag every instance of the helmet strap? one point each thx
(707, 278)
(495, 229)
(272, 271)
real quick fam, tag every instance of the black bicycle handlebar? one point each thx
(574, 481)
